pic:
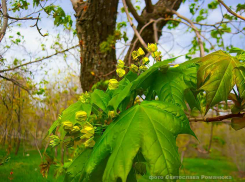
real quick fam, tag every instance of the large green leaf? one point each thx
(171, 85)
(76, 168)
(100, 98)
(215, 77)
(150, 128)
(143, 81)
(69, 115)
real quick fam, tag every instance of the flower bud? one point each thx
(143, 68)
(133, 68)
(145, 60)
(81, 116)
(156, 54)
(152, 47)
(67, 125)
(135, 55)
(120, 64)
(85, 98)
(111, 114)
(113, 84)
(140, 52)
(55, 141)
(89, 143)
(88, 129)
(75, 129)
(120, 72)
(137, 100)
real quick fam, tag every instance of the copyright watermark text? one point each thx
(203, 177)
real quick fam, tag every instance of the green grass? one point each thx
(26, 168)
(209, 167)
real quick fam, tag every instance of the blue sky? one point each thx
(31, 47)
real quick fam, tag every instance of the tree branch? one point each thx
(134, 12)
(223, 118)
(141, 30)
(132, 25)
(25, 64)
(202, 54)
(220, 118)
(149, 6)
(16, 83)
(16, 18)
(38, 29)
(5, 20)
(230, 11)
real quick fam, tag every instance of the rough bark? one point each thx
(159, 11)
(96, 20)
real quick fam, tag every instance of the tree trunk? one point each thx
(96, 20)
(19, 127)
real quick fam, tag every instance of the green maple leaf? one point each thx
(240, 79)
(170, 86)
(216, 77)
(150, 129)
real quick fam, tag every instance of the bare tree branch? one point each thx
(132, 25)
(149, 6)
(202, 54)
(38, 29)
(230, 11)
(5, 20)
(16, 18)
(141, 30)
(25, 64)
(16, 83)
(134, 12)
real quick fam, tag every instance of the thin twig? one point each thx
(137, 39)
(230, 11)
(39, 29)
(202, 54)
(132, 25)
(16, 83)
(25, 64)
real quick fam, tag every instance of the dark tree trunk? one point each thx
(96, 20)
(159, 10)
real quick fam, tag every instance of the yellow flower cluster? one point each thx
(137, 54)
(55, 140)
(81, 116)
(84, 127)
(145, 60)
(143, 68)
(88, 135)
(67, 126)
(120, 68)
(134, 68)
(152, 47)
(113, 84)
(154, 53)
(111, 114)
(85, 98)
